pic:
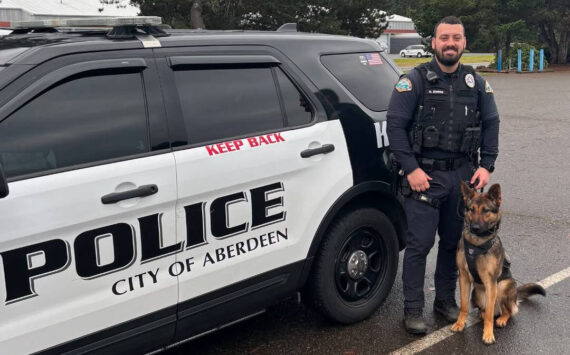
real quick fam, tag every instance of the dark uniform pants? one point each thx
(423, 222)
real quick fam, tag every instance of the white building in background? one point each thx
(399, 34)
(30, 10)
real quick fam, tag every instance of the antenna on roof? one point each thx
(288, 27)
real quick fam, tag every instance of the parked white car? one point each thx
(415, 50)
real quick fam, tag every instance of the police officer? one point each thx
(441, 116)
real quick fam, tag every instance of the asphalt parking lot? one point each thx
(533, 169)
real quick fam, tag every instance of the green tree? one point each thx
(354, 17)
(429, 12)
(553, 21)
(400, 7)
(176, 13)
(503, 22)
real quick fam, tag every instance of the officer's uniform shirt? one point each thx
(401, 115)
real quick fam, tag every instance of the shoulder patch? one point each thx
(488, 88)
(404, 85)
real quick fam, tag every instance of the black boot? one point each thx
(414, 321)
(447, 308)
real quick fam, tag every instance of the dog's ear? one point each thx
(495, 194)
(466, 192)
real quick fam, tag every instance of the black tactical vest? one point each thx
(472, 252)
(447, 119)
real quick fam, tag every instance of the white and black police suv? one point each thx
(158, 184)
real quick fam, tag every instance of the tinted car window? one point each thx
(84, 120)
(366, 75)
(297, 107)
(220, 103)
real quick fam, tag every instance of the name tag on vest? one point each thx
(436, 92)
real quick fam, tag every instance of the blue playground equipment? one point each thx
(519, 60)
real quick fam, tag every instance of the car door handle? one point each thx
(324, 149)
(142, 191)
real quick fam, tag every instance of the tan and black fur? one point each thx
(492, 297)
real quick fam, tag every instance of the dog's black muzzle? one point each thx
(482, 230)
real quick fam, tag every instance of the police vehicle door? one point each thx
(88, 228)
(258, 167)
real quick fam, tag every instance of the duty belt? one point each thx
(428, 164)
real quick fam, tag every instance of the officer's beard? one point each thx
(448, 60)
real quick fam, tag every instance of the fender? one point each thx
(376, 194)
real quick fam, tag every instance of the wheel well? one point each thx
(388, 205)
(370, 194)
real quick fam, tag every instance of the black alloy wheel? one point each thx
(355, 266)
(361, 264)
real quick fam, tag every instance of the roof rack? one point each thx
(121, 27)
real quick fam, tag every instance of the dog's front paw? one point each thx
(501, 322)
(457, 327)
(488, 337)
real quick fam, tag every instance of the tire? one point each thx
(403, 55)
(419, 55)
(331, 289)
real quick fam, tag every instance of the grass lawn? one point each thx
(412, 62)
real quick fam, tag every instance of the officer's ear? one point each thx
(466, 192)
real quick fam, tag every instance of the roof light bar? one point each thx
(89, 22)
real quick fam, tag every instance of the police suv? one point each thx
(158, 184)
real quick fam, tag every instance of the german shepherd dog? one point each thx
(482, 261)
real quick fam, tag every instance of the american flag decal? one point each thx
(373, 59)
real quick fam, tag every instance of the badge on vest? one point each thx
(488, 88)
(404, 85)
(470, 80)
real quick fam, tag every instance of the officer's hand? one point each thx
(419, 180)
(483, 175)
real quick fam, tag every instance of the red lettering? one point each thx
(268, 137)
(230, 146)
(221, 148)
(211, 150)
(238, 144)
(278, 137)
(252, 142)
(262, 140)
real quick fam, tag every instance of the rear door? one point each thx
(88, 228)
(258, 166)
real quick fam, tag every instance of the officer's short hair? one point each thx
(449, 20)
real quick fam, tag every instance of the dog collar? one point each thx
(479, 249)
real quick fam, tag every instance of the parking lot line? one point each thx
(445, 332)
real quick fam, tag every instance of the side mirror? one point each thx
(3, 184)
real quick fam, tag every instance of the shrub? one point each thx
(510, 61)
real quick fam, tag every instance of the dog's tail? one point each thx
(527, 290)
